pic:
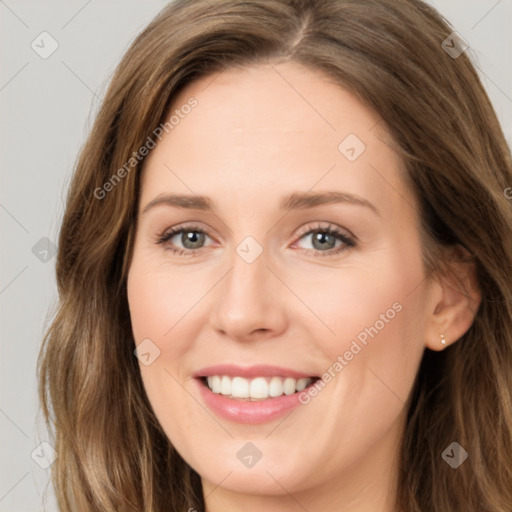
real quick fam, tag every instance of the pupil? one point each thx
(194, 237)
(321, 237)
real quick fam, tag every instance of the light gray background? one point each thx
(47, 107)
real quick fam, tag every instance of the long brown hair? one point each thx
(112, 453)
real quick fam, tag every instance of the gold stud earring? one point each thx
(443, 341)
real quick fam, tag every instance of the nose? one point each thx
(249, 302)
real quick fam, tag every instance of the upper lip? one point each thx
(259, 370)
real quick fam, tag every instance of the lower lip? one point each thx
(245, 411)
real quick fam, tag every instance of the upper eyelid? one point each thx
(178, 229)
(325, 225)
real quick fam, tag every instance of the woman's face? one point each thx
(309, 266)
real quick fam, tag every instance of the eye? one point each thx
(191, 237)
(327, 240)
(324, 239)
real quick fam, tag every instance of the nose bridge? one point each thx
(249, 258)
(249, 276)
(245, 301)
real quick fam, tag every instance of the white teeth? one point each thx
(240, 387)
(302, 384)
(289, 386)
(225, 385)
(214, 383)
(258, 388)
(275, 388)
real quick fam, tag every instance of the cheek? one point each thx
(363, 301)
(374, 320)
(163, 305)
(160, 300)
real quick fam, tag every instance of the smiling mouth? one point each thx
(256, 389)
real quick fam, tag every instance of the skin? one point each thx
(251, 140)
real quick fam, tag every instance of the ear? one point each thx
(456, 298)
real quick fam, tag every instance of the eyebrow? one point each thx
(294, 201)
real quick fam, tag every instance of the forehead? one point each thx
(263, 100)
(269, 127)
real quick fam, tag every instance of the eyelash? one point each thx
(348, 242)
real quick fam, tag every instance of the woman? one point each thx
(284, 270)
